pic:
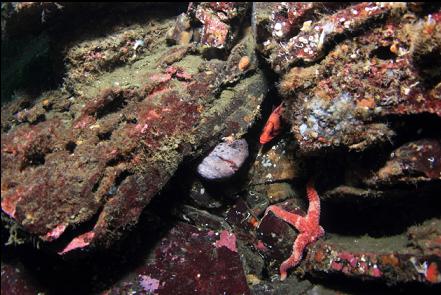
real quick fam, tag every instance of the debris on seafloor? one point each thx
(171, 153)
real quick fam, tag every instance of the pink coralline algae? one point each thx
(9, 202)
(79, 242)
(55, 233)
(308, 226)
(227, 240)
(224, 160)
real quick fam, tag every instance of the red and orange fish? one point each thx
(272, 127)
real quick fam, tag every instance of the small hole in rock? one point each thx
(132, 120)
(70, 146)
(104, 135)
(382, 52)
(36, 159)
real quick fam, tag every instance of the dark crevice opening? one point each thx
(117, 103)
(118, 159)
(120, 178)
(104, 135)
(35, 159)
(383, 53)
(71, 146)
(391, 214)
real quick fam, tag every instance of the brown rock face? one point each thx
(101, 159)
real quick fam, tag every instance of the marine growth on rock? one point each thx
(109, 109)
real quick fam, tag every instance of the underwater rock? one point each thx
(344, 69)
(257, 202)
(189, 260)
(292, 285)
(214, 26)
(224, 160)
(426, 47)
(202, 196)
(35, 33)
(102, 157)
(403, 265)
(17, 280)
(417, 160)
(144, 95)
(202, 219)
(242, 221)
(277, 164)
(181, 33)
(411, 170)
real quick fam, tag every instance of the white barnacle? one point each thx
(303, 40)
(278, 30)
(302, 129)
(327, 28)
(138, 43)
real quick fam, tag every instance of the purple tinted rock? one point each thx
(224, 160)
(149, 284)
(16, 279)
(189, 261)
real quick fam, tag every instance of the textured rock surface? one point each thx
(100, 157)
(144, 100)
(17, 280)
(343, 73)
(215, 26)
(373, 261)
(188, 260)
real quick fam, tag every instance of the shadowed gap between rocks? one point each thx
(395, 208)
(393, 214)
